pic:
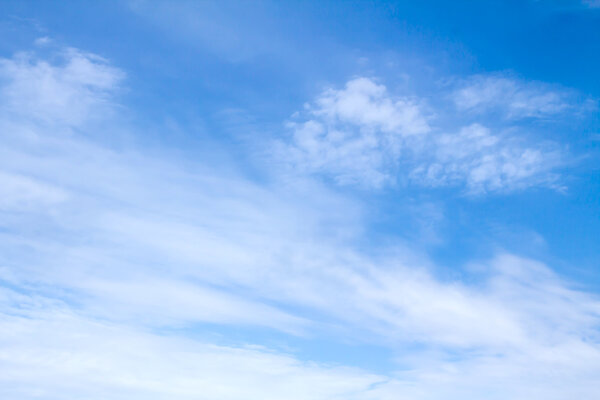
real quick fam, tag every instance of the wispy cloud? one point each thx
(106, 253)
(52, 352)
(68, 92)
(22, 193)
(513, 98)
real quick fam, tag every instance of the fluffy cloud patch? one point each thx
(362, 135)
(355, 134)
(485, 162)
(367, 104)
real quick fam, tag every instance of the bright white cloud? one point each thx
(364, 136)
(355, 133)
(366, 104)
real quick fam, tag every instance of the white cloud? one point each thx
(521, 339)
(354, 134)
(56, 354)
(366, 104)
(511, 97)
(361, 135)
(42, 41)
(69, 92)
(485, 162)
(134, 245)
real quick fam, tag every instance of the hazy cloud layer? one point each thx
(105, 251)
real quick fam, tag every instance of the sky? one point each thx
(333, 200)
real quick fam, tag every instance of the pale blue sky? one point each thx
(299, 200)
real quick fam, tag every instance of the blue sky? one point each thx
(300, 200)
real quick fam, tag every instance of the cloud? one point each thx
(56, 354)
(485, 162)
(114, 261)
(354, 134)
(361, 135)
(513, 98)
(69, 92)
(42, 41)
(538, 340)
(366, 104)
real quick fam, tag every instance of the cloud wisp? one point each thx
(69, 92)
(514, 99)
